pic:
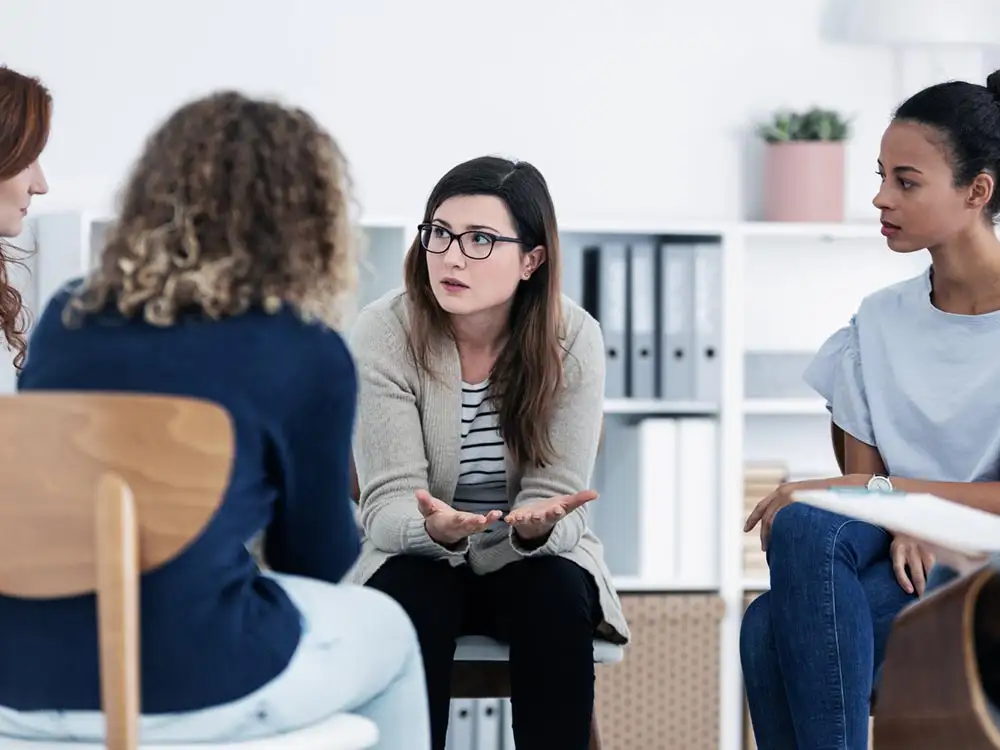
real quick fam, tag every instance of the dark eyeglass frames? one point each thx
(475, 244)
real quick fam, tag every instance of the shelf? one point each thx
(823, 231)
(779, 407)
(857, 230)
(624, 584)
(668, 229)
(659, 407)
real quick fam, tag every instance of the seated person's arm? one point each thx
(575, 434)
(389, 454)
(837, 439)
(858, 457)
(313, 532)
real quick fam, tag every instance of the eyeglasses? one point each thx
(437, 239)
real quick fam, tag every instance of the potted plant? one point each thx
(804, 165)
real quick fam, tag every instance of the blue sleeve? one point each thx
(836, 374)
(313, 532)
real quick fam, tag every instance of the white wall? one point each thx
(634, 109)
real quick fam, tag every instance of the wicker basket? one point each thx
(665, 694)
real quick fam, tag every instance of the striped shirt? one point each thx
(482, 479)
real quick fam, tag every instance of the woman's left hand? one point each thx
(767, 508)
(536, 520)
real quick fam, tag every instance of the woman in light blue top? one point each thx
(913, 387)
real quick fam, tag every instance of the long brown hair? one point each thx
(528, 375)
(25, 119)
(235, 202)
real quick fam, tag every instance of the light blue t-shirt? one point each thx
(920, 384)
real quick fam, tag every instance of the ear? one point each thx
(981, 190)
(533, 260)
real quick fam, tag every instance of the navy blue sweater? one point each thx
(213, 628)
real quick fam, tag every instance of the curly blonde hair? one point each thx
(235, 202)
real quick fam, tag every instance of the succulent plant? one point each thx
(812, 125)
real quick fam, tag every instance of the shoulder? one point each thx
(50, 322)
(381, 328)
(582, 342)
(900, 299)
(581, 332)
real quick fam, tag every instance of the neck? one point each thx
(967, 272)
(483, 332)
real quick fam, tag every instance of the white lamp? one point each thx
(932, 40)
(925, 22)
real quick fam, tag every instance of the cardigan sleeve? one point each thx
(575, 433)
(389, 451)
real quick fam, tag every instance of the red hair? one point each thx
(25, 118)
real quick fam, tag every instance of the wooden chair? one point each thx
(482, 668)
(97, 489)
(942, 658)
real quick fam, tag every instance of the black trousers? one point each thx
(546, 608)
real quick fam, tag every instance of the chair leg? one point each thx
(595, 735)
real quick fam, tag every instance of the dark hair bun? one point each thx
(993, 84)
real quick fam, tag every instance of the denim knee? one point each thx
(797, 531)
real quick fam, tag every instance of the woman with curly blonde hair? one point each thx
(224, 278)
(25, 119)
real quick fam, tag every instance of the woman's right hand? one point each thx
(448, 526)
(907, 553)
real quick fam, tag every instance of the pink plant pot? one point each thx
(804, 181)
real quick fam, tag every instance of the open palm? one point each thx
(448, 526)
(537, 519)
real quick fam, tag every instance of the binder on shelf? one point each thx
(676, 349)
(605, 297)
(697, 489)
(679, 504)
(616, 516)
(461, 725)
(658, 528)
(489, 717)
(571, 256)
(708, 321)
(642, 321)
(507, 726)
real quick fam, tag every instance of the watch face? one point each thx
(879, 484)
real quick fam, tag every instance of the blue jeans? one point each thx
(810, 646)
(358, 654)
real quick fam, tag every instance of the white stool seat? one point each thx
(339, 732)
(481, 648)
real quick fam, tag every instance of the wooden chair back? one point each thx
(942, 658)
(96, 489)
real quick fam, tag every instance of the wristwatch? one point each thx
(879, 483)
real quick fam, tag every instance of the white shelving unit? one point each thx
(784, 289)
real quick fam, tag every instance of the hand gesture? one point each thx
(537, 519)
(765, 511)
(911, 561)
(768, 508)
(448, 526)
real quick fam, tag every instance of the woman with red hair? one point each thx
(25, 117)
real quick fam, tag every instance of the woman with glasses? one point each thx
(479, 417)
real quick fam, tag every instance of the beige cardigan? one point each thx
(408, 438)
